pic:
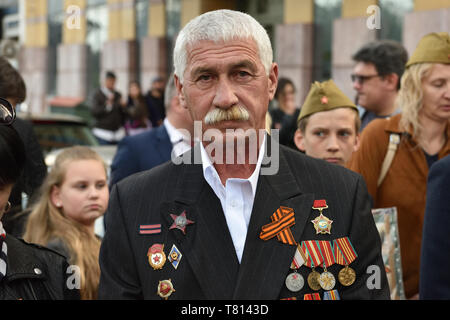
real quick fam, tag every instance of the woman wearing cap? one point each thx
(420, 136)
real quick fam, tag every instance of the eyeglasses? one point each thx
(361, 79)
(7, 207)
(7, 112)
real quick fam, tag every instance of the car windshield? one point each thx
(52, 135)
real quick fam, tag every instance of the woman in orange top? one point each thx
(423, 127)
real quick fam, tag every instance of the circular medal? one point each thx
(327, 280)
(347, 276)
(295, 282)
(165, 288)
(313, 280)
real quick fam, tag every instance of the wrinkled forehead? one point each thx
(236, 45)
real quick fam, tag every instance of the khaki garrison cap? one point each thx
(324, 96)
(432, 48)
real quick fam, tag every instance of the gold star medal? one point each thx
(322, 224)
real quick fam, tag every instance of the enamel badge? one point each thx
(156, 256)
(180, 222)
(322, 224)
(165, 289)
(175, 256)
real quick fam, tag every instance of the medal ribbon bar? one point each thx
(331, 295)
(312, 252)
(344, 251)
(311, 296)
(326, 252)
(299, 258)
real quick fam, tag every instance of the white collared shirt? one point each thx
(180, 143)
(236, 197)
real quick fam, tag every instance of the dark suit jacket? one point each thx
(209, 268)
(435, 259)
(140, 152)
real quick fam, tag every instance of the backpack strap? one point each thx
(394, 140)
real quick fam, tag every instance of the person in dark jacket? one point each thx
(435, 259)
(27, 271)
(13, 89)
(108, 112)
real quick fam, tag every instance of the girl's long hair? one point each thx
(47, 222)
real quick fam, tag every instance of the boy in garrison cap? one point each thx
(328, 124)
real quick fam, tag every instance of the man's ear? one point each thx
(273, 80)
(299, 140)
(392, 80)
(181, 97)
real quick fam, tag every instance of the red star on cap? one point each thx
(180, 222)
(324, 100)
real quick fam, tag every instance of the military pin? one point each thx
(165, 289)
(156, 256)
(347, 276)
(180, 222)
(175, 256)
(327, 280)
(313, 280)
(322, 224)
(294, 282)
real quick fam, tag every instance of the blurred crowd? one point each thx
(394, 131)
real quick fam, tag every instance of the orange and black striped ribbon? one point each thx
(282, 220)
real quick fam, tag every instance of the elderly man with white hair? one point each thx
(238, 216)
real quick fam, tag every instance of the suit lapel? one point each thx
(207, 245)
(265, 264)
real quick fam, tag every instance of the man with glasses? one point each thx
(376, 78)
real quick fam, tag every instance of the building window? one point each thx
(392, 15)
(96, 36)
(325, 12)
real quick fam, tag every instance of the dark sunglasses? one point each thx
(7, 112)
(361, 79)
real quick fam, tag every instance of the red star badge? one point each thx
(180, 222)
(324, 100)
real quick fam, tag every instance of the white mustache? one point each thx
(235, 113)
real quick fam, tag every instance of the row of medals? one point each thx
(316, 281)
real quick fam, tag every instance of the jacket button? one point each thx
(37, 271)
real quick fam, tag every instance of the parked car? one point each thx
(57, 131)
